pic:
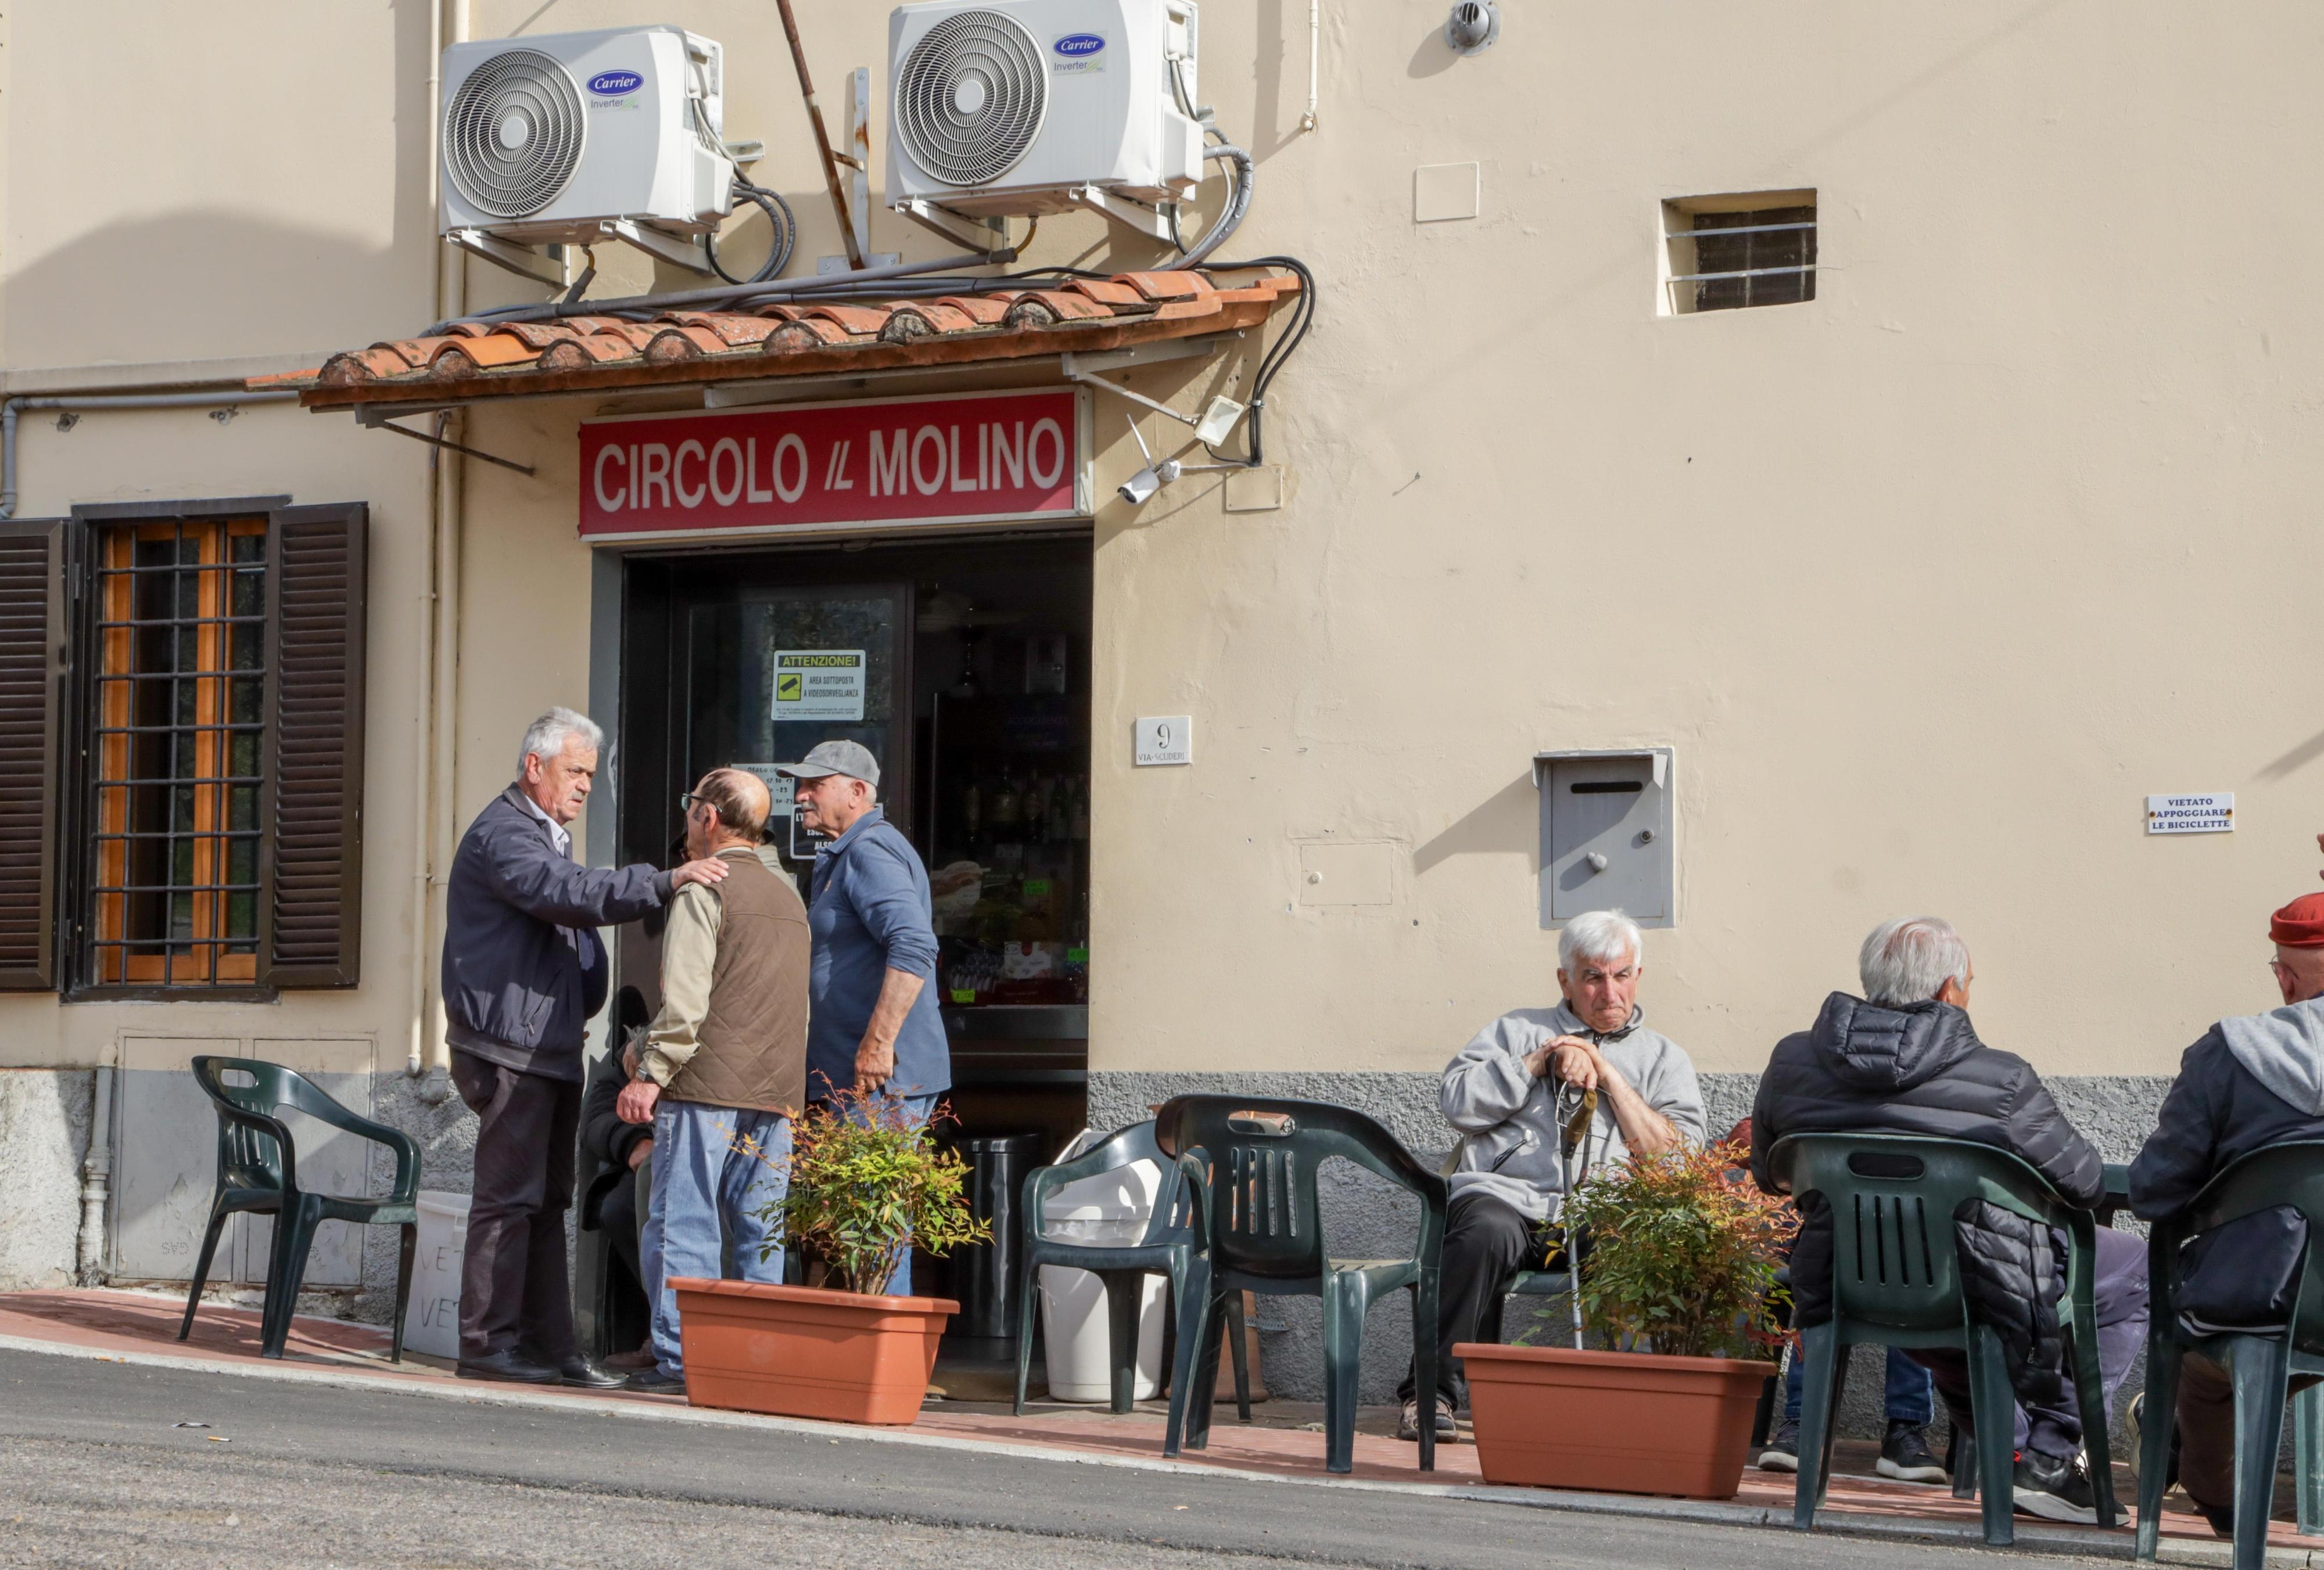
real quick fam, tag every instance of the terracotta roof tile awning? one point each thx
(474, 359)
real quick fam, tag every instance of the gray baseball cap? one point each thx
(852, 759)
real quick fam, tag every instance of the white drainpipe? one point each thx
(96, 1180)
(433, 774)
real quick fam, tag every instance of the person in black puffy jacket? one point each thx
(1904, 1059)
(2249, 1083)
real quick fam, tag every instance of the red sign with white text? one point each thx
(964, 458)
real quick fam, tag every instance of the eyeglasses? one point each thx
(687, 801)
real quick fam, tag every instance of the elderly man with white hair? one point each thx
(523, 971)
(1903, 1059)
(1501, 1095)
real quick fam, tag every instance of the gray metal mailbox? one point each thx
(1605, 835)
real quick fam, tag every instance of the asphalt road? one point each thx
(93, 1472)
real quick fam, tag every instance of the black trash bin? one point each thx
(984, 1275)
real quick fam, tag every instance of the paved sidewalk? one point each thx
(1283, 1443)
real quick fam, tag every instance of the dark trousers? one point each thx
(2207, 1430)
(617, 1218)
(2118, 1285)
(512, 1285)
(1487, 1242)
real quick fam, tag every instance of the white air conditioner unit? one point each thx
(569, 137)
(1020, 107)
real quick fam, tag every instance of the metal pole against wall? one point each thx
(821, 138)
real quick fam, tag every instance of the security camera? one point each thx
(1140, 487)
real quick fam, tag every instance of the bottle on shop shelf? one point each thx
(1035, 809)
(1004, 804)
(1080, 808)
(1061, 810)
(969, 804)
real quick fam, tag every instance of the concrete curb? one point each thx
(2031, 1539)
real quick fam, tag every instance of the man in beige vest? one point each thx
(723, 1067)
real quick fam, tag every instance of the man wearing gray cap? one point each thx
(872, 1025)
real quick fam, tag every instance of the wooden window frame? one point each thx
(83, 817)
(310, 881)
(211, 957)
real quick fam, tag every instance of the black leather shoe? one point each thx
(510, 1367)
(653, 1382)
(583, 1374)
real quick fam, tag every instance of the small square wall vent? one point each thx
(1722, 254)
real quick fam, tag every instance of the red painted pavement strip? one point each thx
(145, 1323)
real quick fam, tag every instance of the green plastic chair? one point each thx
(1895, 1280)
(1251, 1162)
(1166, 1249)
(258, 1172)
(2307, 1458)
(2260, 1364)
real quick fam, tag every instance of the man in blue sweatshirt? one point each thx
(872, 1025)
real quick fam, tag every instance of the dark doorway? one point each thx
(972, 691)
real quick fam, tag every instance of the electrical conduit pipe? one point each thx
(92, 402)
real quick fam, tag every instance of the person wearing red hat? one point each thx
(2250, 1082)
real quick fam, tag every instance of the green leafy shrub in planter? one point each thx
(866, 1182)
(1681, 1253)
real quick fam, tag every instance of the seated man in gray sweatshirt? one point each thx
(1500, 1095)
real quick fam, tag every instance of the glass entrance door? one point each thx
(771, 672)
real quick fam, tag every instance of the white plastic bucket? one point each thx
(431, 1325)
(1109, 1209)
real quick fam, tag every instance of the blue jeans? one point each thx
(707, 1193)
(1911, 1396)
(918, 1109)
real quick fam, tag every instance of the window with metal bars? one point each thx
(1730, 252)
(181, 748)
(180, 694)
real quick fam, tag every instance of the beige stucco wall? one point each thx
(183, 186)
(189, 182)
(1927, 582)
(267, 450)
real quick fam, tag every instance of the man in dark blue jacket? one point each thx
(2249, 1083)
(523, 971)
(872, 1024)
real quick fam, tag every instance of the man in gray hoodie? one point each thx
(1501, 1096)
(2248, 1084)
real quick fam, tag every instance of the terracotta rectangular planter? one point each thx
(806, 1351)
(1612, 1422)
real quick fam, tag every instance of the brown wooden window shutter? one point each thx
(32, 567)
(313, 854)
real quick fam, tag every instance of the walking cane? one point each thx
(1573, 1134)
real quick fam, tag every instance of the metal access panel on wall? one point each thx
(165, 1160)
(1605, 835)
